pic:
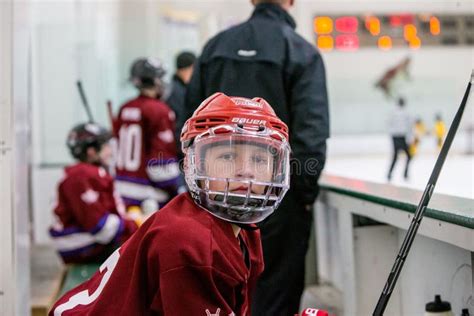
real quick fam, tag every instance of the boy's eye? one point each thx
(260, 159)
(227, 156)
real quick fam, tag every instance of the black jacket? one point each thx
(176, 101)
(265, 57)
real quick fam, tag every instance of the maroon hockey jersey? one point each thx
(89, 216)
(146, 162)
(182, 261)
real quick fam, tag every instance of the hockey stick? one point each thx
(84, 101)
(420, 210)
(112, 120)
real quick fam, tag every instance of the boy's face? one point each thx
(240, 161)
(102, 157)
(105, 154)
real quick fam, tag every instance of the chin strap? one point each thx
(238, 200)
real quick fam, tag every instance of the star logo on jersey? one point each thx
(217, 313)
(166, 136)
(208, 312)
(102, 172)
(90, 196)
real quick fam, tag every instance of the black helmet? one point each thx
(86, 135)
(147, 72)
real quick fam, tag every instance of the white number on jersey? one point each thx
(83, 298)
(129, 147)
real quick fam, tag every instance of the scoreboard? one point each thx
(351, 32)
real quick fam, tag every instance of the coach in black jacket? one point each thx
(184, 70)
(264, 57)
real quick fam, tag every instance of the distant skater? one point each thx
(439, 130)
(419, 131)
(400, 128)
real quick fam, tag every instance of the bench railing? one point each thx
(359, 228)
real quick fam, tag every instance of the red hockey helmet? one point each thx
(237, 158)
(220, 109)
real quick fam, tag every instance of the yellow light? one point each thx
(373, 25)
(409, 32)
(415, 43)
(385, 42)
(323, 25)
(435, 26)
(325, 42)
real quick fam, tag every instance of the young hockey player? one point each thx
(90, 221)
(439, 130)
(419, 131)
(201, 254)
(146, 162)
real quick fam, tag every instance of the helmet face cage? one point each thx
(238, 175)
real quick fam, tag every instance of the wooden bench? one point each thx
(50, 278)
(47, 273)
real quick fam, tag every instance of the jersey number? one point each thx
(83, 298)
(129, 147)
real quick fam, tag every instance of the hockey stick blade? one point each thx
(420, 210)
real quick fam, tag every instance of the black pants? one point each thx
(285, 238)
(399, 144)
